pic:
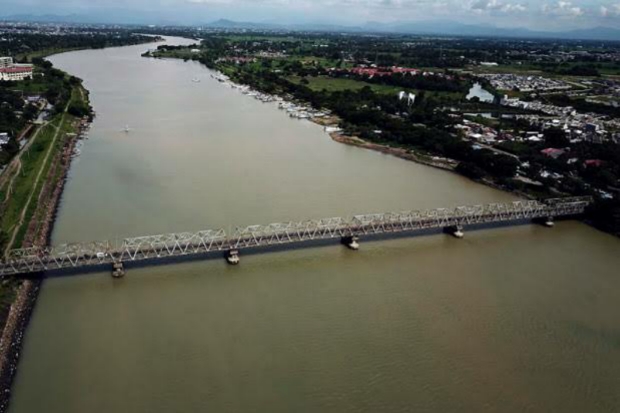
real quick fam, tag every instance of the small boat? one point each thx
(127, 130)
(196, 80)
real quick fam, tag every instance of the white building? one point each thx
(4, 138)
(16, 72)
(6, 61)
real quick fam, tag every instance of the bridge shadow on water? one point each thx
(220, 255)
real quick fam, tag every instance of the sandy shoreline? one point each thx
(440, 163)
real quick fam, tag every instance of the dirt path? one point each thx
(22, 217)
(17, 163)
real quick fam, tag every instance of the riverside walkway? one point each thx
(151, 249)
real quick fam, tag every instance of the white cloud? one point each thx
(610, 10)
(563, 9)
(534, 14)
(495, 6)
(508, 8)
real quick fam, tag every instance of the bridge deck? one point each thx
(83, 255)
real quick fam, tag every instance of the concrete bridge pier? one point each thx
(232, 257)
(546, 222)
(351, 242)
(118, 270)
(456, 231)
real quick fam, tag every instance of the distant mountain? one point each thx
(47, 18)
(434, 27)
(459, 29)
(110, 17)
(440, 27)
(229, 24)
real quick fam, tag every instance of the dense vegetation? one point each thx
(24, 46)
(582, 105)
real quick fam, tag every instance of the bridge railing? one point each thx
(34, 259)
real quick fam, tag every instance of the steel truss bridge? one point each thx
(159, 247)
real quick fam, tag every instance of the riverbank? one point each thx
(435, 162)
(331, 124)
(36, 230)
(32, 196)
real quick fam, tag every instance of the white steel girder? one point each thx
(76, 255)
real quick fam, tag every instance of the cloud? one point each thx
(497, 6)
(609, 11)
(562, 9)
(508, 8)
(534, 14)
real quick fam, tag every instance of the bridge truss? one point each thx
(82, 255)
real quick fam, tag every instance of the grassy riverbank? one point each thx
(29, 194)
(32, 181)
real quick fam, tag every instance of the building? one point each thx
(553, 152)
(596, 163)
(6, 61)
(16, 72)
(4, 138)
(9, 71)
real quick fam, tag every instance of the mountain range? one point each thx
(434, 27)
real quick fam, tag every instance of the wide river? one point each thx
(520, 319)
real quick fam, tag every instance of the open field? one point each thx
(35, 166)
(28, 56)
(333, 84)
(33, 160)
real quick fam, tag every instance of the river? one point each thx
(506, 320)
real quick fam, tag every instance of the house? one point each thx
(6, 61)
(16, 73)
(553, 152)
(593, 163)
(4, 138)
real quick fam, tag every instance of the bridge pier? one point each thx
(546, 222)
(456, 231)
(232, 257)
(352, 242)
(118, 270)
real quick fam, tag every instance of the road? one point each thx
(498, 151)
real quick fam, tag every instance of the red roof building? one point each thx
(593, 162)
(16, 69)
(382, 71)
(14, 73)
(553, 152)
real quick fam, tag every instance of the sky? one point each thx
(532, 14)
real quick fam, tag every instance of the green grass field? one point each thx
(32, 161)
(339, 84)
(28, 56)
(333, 84)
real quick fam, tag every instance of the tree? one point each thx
(470, 170)
(556, 138)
